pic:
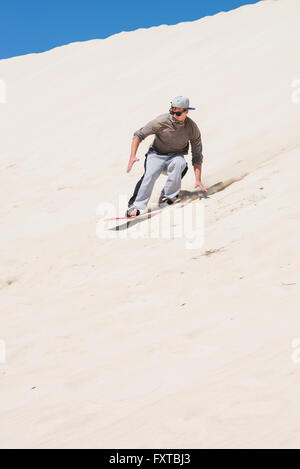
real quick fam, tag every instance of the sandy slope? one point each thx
(144, 343)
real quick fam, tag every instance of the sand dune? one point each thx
(142, 342)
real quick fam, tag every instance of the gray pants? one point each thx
(171, 165)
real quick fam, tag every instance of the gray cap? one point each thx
(181, 101)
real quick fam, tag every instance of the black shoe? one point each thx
(163, 200)
(132, 212)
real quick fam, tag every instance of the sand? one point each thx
(143, 343)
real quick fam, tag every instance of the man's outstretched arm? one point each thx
(197, 156)
(198, 183)
(134, 146)
(149, 129)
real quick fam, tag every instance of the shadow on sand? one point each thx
(184, 196)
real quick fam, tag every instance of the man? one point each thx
(173, 131)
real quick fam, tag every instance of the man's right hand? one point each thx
(131, 163)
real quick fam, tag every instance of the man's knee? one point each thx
(152, 174)
(177, 164)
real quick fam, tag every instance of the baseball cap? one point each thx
(181, 101)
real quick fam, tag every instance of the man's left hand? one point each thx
(199, 184)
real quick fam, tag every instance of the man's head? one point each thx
(179, 113)
(180, 108)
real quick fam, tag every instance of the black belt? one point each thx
(168, 154)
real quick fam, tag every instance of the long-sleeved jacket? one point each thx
(172, 136)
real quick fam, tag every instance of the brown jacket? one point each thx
(172, 136)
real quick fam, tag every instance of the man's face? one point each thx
(183, 115)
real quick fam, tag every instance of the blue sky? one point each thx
(37, 25)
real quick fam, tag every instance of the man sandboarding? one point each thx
(173, 131)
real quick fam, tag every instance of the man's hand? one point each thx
(198, 169)
(199, 184)
(131, 163)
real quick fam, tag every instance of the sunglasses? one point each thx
(177, 113)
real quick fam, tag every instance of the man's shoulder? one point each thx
(191, 127)
(159, 121)
(190, 122)
(162, 117)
